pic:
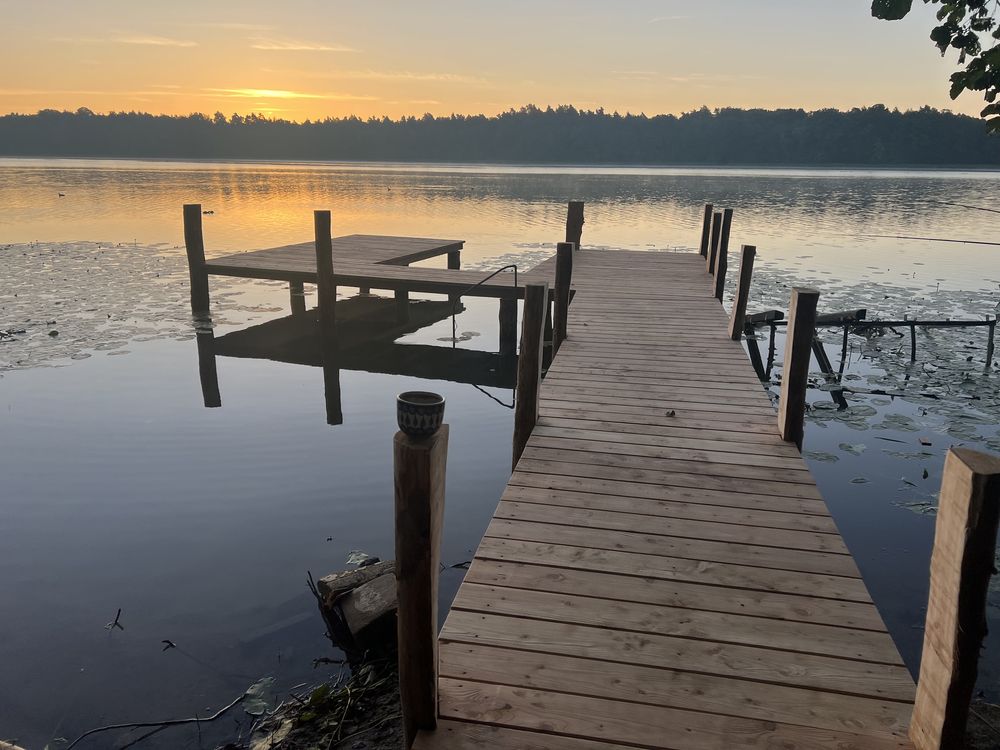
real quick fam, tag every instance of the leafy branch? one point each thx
(963, 25)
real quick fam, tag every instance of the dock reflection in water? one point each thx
(364, 339)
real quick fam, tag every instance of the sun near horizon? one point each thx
(297, 60)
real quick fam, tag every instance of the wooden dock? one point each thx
(661, 571)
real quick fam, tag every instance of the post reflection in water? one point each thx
(364, 339)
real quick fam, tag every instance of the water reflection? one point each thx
(365, 340)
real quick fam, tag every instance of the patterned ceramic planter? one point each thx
(419, 413)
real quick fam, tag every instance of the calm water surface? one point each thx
(120, 490)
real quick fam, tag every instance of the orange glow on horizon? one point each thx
(301, 62)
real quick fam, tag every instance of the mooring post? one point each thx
(454, 264)
(722, 258)
(965, 537)
(913, 340)
(326, 289)
(989, 341)
(737, 319)
(297, 296)
(564, 278)
(706, 229)
(194, 242)
(529, 366)
(713, 248)
(574, 222)
(419, 466)
(508, 327)
(326, 293)
(795, 376)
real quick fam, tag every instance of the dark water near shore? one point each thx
(118, 489)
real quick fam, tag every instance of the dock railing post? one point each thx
(194, 242)
(419, 478)
(564, 278)
(713, 245)
(795, 376)
(706, 229)
(574, 222)
(529, 366)
(965, 537)
(737, 320)
(722, 257)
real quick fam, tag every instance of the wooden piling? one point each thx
(706, 229)
(913, 342)
(564, 278)
(965, 537)
(297, 297)
(739, 312)
(795, 376)
(574, 222)
(529, 365)
(325, 287)
(419, 472)
(722, 257)
(508, 327)
(194, 242)
(716, 237)
(989, 342)
(455, 260)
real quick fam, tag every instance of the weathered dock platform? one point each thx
(661, 571)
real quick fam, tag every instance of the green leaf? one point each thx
(891, 10)
(259, 696)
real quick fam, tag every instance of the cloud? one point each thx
(662, 19)
(285, 94)
(154, 41)
(295, 45)
(423, 101)
(234, 26)
(405, 75)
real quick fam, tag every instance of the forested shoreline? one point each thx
(871, 136)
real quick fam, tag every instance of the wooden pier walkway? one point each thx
(661, 571)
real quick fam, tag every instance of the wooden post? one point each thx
(913, 342)
(989, 342)
(713, 247)
(529, 365)
(722, 257)
(795, 378)
(331, 385)
(508, 327)
(753, 349)
(739, 313)
(419, 464)
(574, 222)
(965, 536)
(325, 287)
(195, 243)
(402, 306)
(564, 277)
(706, 229)
(208, 373)
(297, 296)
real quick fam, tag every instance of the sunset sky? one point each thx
(301, 59)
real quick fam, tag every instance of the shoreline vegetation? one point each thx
(863, 137)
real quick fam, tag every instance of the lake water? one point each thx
(121, 490)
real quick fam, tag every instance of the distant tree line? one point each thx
(873, 135)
